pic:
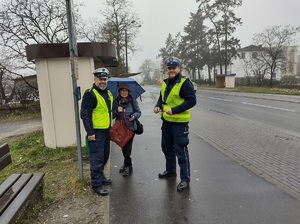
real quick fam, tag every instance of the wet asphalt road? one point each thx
(221, 190)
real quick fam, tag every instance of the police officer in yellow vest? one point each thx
(96, 115)
(177, 97)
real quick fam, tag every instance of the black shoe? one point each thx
(182, 185)
(107, 181)
(101, 191)
(127, 171)
(166, 174)
(122, 168)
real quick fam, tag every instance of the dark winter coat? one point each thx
(131, 108)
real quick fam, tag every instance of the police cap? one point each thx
(101, 73)
(172, 62)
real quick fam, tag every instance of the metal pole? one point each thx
(76, 90)
(126, 54)
(126, 45)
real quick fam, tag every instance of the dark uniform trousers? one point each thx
(99, 155)
(175, 139)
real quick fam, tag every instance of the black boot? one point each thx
(101, 191)
(122, 168)
(128, 171)
(106, 181)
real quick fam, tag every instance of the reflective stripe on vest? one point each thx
(174, 100)
(100, 117)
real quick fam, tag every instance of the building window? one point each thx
(254, 54)
(242, 55)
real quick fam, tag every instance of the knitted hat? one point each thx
(124, 85)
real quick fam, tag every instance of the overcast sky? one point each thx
(161, 17)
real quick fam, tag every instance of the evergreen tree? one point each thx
(172, 47)
(194, 46)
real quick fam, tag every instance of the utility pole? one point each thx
(74, 73)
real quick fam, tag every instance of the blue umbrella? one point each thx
(135, 89)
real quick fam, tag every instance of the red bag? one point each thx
(120, 133)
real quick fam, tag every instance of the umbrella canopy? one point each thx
(135, 89)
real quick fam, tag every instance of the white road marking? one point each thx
(265, 106)
(214, 98)
(254, 104)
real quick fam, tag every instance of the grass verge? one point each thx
(258, 89)
(60, 166)
(17, 112)
(253, 89)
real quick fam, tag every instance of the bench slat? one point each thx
(12, 210)
(5, 161)
(5, 158)
(13, 191)
(8, 183)
(4, 149)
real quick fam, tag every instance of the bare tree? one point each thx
(30, 22)
(156, 74)
(6, 83)
(256, 68)
(273, 41)
(23, 23)
(5, 87)
(120, 27)
(148, 71)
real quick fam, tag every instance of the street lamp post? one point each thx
(126, 46)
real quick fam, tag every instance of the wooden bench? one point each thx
(17, 190)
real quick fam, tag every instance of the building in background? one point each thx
(26, 89)
(250, 69)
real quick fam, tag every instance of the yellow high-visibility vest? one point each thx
(174, 100)
(101, 117)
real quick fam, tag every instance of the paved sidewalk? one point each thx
(269, 153)
(221, 189)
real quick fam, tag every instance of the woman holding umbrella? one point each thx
(126, 103)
